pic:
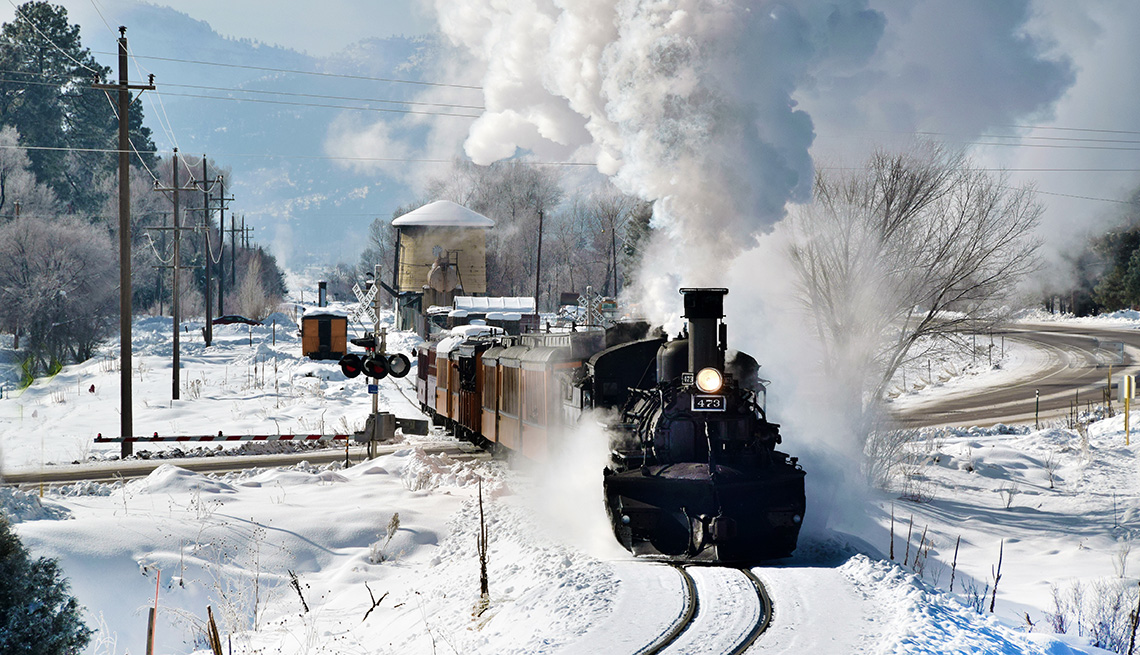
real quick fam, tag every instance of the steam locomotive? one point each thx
(694, 472)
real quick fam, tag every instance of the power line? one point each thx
(321, 105)
(398, 160)
(1070, 129)
(328, 97)
(164, 119)
(50, 42)
(1078, 197)
(240, 90)
(1027, 136)
(100, 12)
(1056, 146)
(279, 102)
(301, 72)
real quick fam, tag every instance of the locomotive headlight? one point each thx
(709, 380)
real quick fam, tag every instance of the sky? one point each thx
(1040, 87)
(293, 24)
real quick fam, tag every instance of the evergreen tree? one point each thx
(46, 94)
(38, 615)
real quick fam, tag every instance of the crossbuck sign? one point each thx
(365, 312)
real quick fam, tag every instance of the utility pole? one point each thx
(159, 280)
(126, 412)
(176, 310)
(222, 200)
(613, 253)
(209, 255)
(233, 251)
(538, 264)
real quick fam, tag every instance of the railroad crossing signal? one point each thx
(365, 311)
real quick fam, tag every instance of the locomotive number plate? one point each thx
(708, 403)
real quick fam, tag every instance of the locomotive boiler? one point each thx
(694, 472)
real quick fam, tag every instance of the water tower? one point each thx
(441, 252)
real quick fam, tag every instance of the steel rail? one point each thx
(112, 471)
(692, 606)
(683, 621)
(765, 614)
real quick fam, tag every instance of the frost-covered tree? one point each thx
(913, 245)
(512, 193)
(17, 182)
(57, 285)
(38, 615)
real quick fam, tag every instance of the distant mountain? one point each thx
(306, 208)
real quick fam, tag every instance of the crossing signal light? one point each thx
(351, 365)
(375, 367)
(399, 365)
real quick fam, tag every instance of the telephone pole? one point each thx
(177, 227)
(233, 251)
(209, 255)
(222, 200)
(538, 264)
(126, 414)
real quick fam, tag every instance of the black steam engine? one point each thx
(694, 469)
(695, 472)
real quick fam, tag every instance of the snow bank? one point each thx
(18, 506)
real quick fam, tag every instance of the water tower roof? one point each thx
(443, 213)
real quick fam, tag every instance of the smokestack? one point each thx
(322, 294)
(703, 309)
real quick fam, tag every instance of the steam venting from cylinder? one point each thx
(703, 310)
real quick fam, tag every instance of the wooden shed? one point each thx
(324, 334)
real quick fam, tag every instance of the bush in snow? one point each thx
(1102, 612)
(37, 614)
(377, 550)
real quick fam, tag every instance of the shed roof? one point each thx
(443, 213)
(324, 312)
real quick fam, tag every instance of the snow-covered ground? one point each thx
(1058, 508)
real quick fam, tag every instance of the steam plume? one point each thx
(687, 103)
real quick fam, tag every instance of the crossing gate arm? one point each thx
(156, 438)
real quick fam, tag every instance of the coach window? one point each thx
(510, 391)
(489, 386)
(535, 397)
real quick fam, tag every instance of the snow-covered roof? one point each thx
(443, 213)
(504, 316)
(324, 311)
(461, 333)
(520, 304)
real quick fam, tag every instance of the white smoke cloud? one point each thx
(688, 103)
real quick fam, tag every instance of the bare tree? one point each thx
(251, 298)
(57, 282)
(914, 245)
(512, 193)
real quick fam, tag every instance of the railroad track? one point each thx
(725, 610)
(140, 468)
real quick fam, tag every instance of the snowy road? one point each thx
(1070, 364)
